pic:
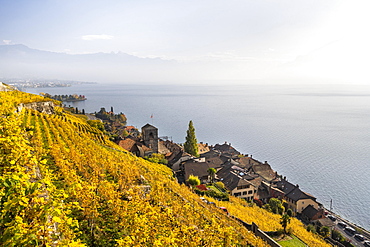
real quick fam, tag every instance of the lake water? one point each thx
(317, 136)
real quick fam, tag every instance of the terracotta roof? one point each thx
(127, 144)
(168, 154)
(129, 128)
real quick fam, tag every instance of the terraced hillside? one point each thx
(63, 183)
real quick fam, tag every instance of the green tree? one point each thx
(212, 172)
(311, 228)
(284, 221)
(276, 206)
(193, 181)
(336, 235)
(289, 212)
(325, 231)
(191, 145)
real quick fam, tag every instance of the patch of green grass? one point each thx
(294, 242)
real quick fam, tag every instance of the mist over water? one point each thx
(318, 136)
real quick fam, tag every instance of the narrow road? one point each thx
(348, 235)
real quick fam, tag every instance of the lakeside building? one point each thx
(247, 178)
(297, 199)
(236, 184)
(242, 175)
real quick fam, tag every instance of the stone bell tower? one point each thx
(150, 137)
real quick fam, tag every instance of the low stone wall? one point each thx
(258, 232)
(264, 236)
(43, 107)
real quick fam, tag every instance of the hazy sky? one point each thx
(327, 39)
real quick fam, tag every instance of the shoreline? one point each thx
(282, 159)
(364, 231)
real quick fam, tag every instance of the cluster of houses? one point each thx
(242, 175)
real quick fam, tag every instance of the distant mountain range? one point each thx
(20, 61)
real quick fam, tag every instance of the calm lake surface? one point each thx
(317, 136)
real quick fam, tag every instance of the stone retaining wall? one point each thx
(43, 107)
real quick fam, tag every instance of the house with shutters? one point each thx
(297, 199)
(234, 182)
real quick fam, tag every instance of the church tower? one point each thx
(150, 137)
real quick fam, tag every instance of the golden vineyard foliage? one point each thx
(268, 221)
(63, 183)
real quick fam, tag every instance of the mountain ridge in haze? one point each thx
(21, 61)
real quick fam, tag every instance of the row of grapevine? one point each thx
(31, 207)
(82, 190)
(63, 182)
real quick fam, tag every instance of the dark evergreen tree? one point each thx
(191, 145)
(284, 221)
(211, 172)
